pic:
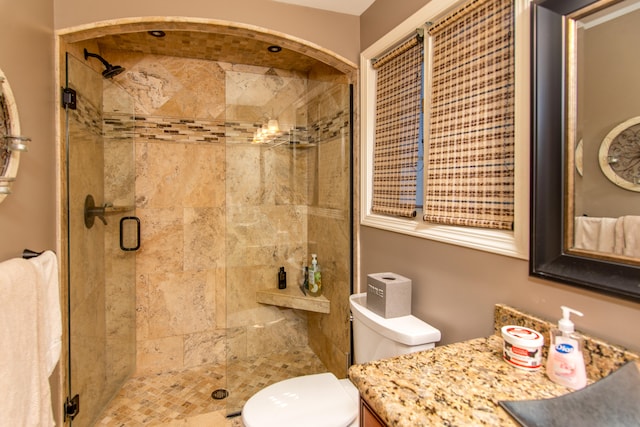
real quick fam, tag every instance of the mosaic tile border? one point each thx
(167, 129)
(87, 115)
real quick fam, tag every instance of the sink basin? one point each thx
(611, 401)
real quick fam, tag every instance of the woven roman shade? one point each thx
(470, 178)
(397, 127)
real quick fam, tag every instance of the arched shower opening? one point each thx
(172, 142)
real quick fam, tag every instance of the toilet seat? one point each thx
(319, 400)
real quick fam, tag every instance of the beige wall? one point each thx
(333, 31)
(27, 217)
(456, 288)
(384, 15)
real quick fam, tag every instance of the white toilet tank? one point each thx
(375, 337)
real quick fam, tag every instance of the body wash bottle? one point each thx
(565, 362)
(315, 277)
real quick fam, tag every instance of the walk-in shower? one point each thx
(220, 211)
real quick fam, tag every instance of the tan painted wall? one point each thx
(384, 15)
(333, 31)
(456, 288)
(27, 217)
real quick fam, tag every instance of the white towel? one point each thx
(30, 329)
(628, 236)
(51, 319)
(595, 234)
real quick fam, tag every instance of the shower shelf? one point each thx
(303, 146)
(292, 297)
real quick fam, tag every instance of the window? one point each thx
(501, 200)
(471, 117)
(398, 123)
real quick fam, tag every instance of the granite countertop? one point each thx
(461, 384)
(458, 384)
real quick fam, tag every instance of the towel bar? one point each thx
(28, 253)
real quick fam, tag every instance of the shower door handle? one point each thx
(136, 223)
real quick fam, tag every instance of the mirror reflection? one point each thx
(603, 119)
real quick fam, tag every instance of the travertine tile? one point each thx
(244, 178)
(159, 354)
(220, 215)
(206, 347)
(236, 343)
(191, 113)
(204, 246)
(161, 171)
(217, 277)
(182, 397)
(204, 175)
(245, 377)
(224, 41)
(162, 245)
(287, 331)
(170, 398)
(179, 303)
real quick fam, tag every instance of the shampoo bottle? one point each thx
(565, 362)
(315, 277)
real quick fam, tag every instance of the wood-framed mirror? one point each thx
(585, 229)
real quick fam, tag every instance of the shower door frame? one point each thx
(106, 250)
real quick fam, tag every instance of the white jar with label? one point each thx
(522, 347)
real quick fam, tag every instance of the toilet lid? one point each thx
(311, 400)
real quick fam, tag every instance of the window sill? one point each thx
(508, 243)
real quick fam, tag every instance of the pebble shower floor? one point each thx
(183, 398)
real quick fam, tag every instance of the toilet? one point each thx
(323, 400)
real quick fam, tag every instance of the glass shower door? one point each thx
(287, 197)
(102, 235)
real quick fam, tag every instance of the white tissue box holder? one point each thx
(389, 294)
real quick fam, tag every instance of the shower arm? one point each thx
(100, 58)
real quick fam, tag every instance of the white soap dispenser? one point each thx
(565, 362)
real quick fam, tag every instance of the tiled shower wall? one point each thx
(266, 210)
(180, 199)
(329, 220)
(220, 215)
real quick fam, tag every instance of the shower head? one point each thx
(110, 70)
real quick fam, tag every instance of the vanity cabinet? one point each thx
(368, 417)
